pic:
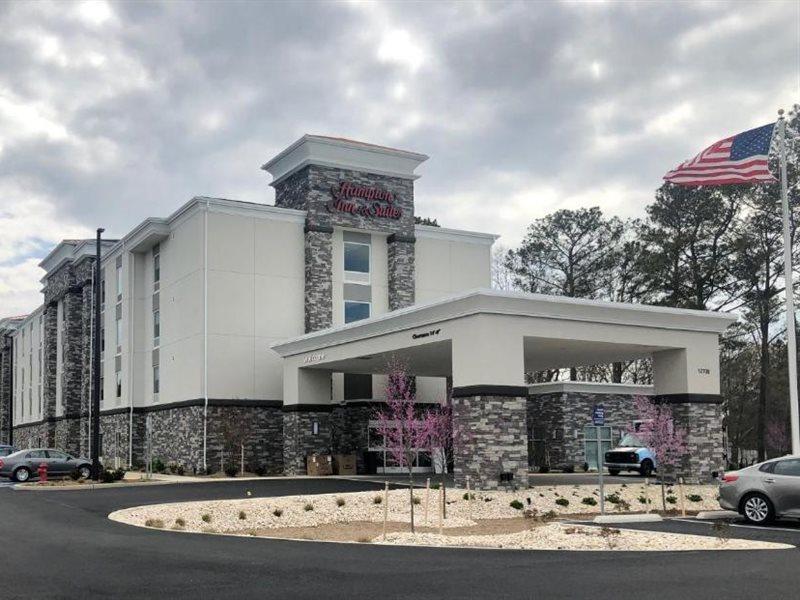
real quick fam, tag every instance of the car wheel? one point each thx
(85, 471)
(613, 471)
(757, 509)
(646, 468)
(22, 475)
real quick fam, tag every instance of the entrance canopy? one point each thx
(486, 340)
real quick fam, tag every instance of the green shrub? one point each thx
(242, 515)
(119, 474)
(544, 469)
(469, 496)
(671, 499)
(180, 470)
(277, 512)
(643, 500)
(340, 502)
(154, 523)
(157, 465)
(416, 500)
(377, 499)
(435, 486)
(206, 518)
(260, 470)
(516, 504)
(694, 498)
(589, 501)
(107, 476)
(231, 470)
(180, 522)
(549, 515)
(308, 507)
(562, 502)
(614, 498)
(568, 469)
(75, 474)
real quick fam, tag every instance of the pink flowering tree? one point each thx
(444, 436)
(401, 426)
(657, 431)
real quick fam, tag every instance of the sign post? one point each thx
(599, 420)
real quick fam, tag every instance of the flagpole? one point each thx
(789, 289)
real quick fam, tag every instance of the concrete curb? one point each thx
(615, 519)
(714, 515)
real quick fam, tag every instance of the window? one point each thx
(156, 379)
(36, 454)
(156, 328)
(357, 386)
(356, 262)
(102, 339)
(119, 384)
(119, 331)
(788, 467)
(355, 311)
(102, 384)
(102, 293)
(119, 281)
(156, 265)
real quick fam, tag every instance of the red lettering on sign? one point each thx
(377, 202)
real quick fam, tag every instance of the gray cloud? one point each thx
(110, 113)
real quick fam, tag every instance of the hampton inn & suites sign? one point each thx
(364, 201)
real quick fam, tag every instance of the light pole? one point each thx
(96, 360)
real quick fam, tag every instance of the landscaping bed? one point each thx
(527, 519)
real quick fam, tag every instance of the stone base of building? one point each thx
(493, 452)
(556, 423)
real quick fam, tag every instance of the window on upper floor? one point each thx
(156, 265)
(356, 311)
(356, 262)
(156, 379)
(156, 328)
(119, 333)
(119, 281)
(119, 384)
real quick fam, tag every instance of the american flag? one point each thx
(738, 159)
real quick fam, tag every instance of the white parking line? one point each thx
(743, 526)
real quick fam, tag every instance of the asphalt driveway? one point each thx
(59, 544)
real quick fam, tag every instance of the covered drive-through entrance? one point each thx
(486, 341)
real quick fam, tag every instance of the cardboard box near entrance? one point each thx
(344, 464)
(319, 464)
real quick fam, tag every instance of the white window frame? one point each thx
(357, 277)
(344, 309)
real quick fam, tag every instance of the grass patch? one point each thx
(562, 502)
(589, 501)
(516, 504)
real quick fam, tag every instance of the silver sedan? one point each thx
(763, 492)
(24, 464)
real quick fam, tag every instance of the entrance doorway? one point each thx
(596, 442)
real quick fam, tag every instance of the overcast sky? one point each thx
(113, 112)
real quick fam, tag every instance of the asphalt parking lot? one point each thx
(59, 544)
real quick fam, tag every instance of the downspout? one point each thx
(205, 339)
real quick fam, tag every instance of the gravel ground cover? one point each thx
(557, 536)
(311, 511)
(520, 520)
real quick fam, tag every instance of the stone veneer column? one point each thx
(6, 396)
(702, 422)
(72, 370)
(299, 440)
(49, 353)
(496, 440)
(318, 277)
(401, 271)
(87, 331)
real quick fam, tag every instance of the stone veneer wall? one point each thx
(561, 416)
(30, 436)
(299, 440)
(318, 279)
(6, 347)
(496, 442)
(401, 272)
(49, 353)
(703, 425)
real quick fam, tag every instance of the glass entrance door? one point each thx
(596, 442)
